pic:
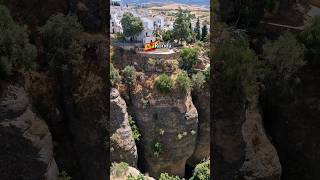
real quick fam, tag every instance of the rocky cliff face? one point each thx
(201, 101)
(292, 122)
(170, 121)
(123, 147)
(27, 148)
(241, 147)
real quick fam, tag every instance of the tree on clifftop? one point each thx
(131, 25)
(197, 29)
(181, 26)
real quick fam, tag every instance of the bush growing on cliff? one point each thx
(311, 39)
(15, 50)
(189, 58)
(119, 169)
(63, 176)
(183, 82)
(198, 80)
(157, 148)
(139, 177)
(283, 58)
(115, 77)
(129, 75)
(164, 83)
(61, 35)
(166, 176)
(238, 71)
(202, 171)
(135, 130)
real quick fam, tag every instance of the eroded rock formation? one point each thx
(166, 120)
(27, 149)
(123, 147)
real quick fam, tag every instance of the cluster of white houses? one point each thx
(151, 23)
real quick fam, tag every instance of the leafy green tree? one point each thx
(238, 71)
(15, 50)
(166, 176)
(131, 25)
(202, 171)
(129, 75)
(183, 82)
(181, 25)
(168, 36)
(310, 37)
(198, 80)
(282, 59)
(115, 77)
(61, 35)
(164, 83)
(197, 30)
(204, 33)
(189, 58)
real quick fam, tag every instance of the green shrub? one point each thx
(15, 50)
(239, 69)
(64, 176)
(166, 176)
(189, 58)
(134, 128)
(129, 75)
(157, 149)
(282, 59)
(115, 77)
(310, 37)
(167, 36)
(202, 171)
(139, 177)
(164, 83)
(183, 82)
(119, 169)
(198, 80)
(206, 73)
(61, 35)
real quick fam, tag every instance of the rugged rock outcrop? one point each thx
(292, 120)
(123, 147)
(26, 150)
(131, 171)
(168, 124)
(201, 100)
(241, 147)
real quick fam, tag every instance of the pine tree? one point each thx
(197, 30)
(204, 32)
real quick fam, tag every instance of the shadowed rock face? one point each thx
(293, 123)
(122, 143)
(201, 101)
(241, 147)
(26, 150)
(168, 120)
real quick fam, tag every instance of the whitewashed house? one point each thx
(147, 35)
(158, 22)
(115, 24)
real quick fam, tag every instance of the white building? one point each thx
(147, 35)
(115, 24)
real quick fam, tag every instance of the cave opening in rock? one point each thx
(188, 171)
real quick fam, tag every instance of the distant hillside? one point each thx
(197, 2)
